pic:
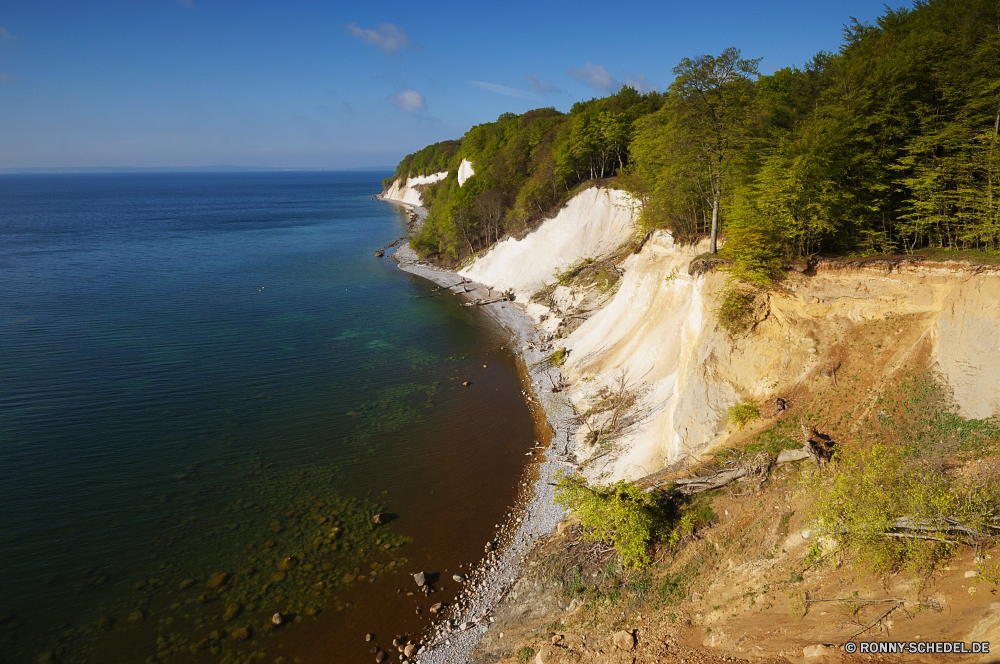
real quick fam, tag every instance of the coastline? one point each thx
(538, 516)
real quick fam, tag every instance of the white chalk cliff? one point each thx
(465, 171)
(659, 328)
(411, 192)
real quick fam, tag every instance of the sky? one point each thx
(342, 85)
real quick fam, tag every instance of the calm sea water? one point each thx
(206, 374)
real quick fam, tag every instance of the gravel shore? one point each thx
(454, 637)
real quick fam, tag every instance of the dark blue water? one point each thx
(202, 374)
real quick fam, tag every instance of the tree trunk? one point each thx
(715, 223)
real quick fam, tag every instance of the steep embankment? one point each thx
(411, 191)
(656, 328)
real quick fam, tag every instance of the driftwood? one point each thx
(754, 467)
(479, 303)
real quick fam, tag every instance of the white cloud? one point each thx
(6, 78)
(6, 35)
(388, 37)
(595, 76)
(541, 86)
(640, 83)
(504, 90)
(410, 101)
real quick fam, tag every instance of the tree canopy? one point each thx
(888, 145)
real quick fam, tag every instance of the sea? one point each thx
(209, 385)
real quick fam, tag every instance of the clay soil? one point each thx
(745, 587)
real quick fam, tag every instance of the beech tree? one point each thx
(713, 105)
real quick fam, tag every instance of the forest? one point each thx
(888, 146)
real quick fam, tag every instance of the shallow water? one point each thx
(207, 374)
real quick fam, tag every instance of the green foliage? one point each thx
(525, 654)
(673, 589)
(890, 144)
(739, 308)
(872, 492)
(620, 513)
(743, 413)
(556, 358)
(576, 268)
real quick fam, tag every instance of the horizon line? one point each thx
(27, 170)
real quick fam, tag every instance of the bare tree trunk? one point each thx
(715, 223)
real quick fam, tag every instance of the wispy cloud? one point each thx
(388, 37)
(640, 83)
(410, 101)
(348, 109)
(595, 76)
(6, 78)
(504, 90)
(6, 35)
(542, 86)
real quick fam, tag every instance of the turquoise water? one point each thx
(208, 373)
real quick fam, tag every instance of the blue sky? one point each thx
(344, 85)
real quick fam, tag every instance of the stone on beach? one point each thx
(277, 619)
(420, 578)
(380, 518)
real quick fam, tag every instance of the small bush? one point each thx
(620, 513)
(739, 309)
(743, 413)
(576, 268)
(525, 654)
(556, 358)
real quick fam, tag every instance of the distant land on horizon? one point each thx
(176, 169)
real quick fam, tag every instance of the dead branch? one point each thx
(878, 620)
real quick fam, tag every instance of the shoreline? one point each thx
(527, 523)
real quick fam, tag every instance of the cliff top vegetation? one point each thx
(889, 145)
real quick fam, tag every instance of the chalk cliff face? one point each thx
(658, 329)
(594, 224)
(411, 192)
(465, 171)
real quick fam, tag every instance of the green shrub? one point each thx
(556, 358)
(895, 514)
(743, 413)
(525, 654)
(739, 308)
(620, 513)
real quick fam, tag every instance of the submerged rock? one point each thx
(232, 611)
(287, 564)
(241, 634)
(217, 580)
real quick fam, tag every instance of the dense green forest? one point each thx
(889, 145)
